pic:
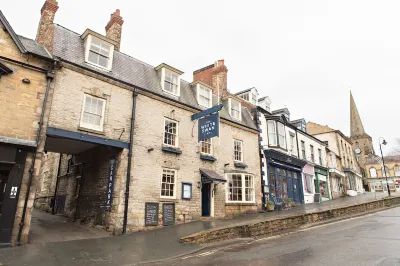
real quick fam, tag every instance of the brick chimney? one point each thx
(215, 75)
(45, 32)
(114, 28)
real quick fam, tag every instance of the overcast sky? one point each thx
(305, 55)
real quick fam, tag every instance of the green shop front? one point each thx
(322, 183)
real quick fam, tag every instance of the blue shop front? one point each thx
(284, 176)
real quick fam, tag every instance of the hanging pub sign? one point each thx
(209, 127)
(110, 185)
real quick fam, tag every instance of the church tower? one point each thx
(362, 142)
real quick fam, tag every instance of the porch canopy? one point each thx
(69, 142)
(210, 176)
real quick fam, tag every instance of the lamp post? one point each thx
(383, 161)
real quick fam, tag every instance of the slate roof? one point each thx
(33, 47)
(69, 47)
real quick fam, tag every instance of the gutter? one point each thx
(128, 174)
(49, 77)
(42, 70)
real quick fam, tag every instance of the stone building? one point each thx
(25, 81)
(362, 142)
(339, 146)
(130, 156)
(377, 178)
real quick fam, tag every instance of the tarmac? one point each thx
(146, 246)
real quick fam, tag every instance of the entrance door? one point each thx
(290, 187)
(296, 189)
(206, 200)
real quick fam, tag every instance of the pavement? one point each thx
(54, 228)
(366, 240)
(143, 246)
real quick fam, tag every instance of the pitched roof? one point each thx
(69, 47)
(25, 45)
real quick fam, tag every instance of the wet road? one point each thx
(368, 240)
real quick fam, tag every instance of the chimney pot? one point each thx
(114, 28)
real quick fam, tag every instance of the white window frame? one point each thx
(199, 88)
(320, 160)
(88, 44)
(88, 125)
(253, 98)
(240, 151)
(175, 183)
(311, 189)
(312, 154)
(205, 142)
(278, 124)
(243, 188)
(396, 170)
(230, 109)
(303, 150)
(164, 73)
(272, 135)
(177, 133)
(374, 171)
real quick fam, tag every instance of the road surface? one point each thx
(368, 240)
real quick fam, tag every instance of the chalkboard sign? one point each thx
(151, 214)
(317, 197)
(168, 213)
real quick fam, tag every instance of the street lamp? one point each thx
(383, 161)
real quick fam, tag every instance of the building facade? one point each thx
(127, 148)
(25, 80)
(339, 145)
(379, 177)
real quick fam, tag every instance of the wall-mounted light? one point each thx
(198, 184)
(226, 164)
(150, 149)
(26, 81)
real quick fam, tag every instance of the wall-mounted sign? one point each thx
(13, 193)
(110, 185)
(209, 127)
(168, 213)
(151, 213)
(187, 191)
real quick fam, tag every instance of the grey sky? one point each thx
(305, 55)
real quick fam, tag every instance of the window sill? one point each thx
(171, 150)
(167, 200)
(170, 93)
(91, 130)
(240, 165)
(240, 203)
(207, 158)
(98, 66)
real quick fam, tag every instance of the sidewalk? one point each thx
(143, 246)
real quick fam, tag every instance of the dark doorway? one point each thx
(206, 199)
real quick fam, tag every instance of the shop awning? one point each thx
(210, 176)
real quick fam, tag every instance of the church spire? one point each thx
(356, 126)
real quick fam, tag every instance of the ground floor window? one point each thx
(240, 188)
(309, 183)
(168, 182)
(335, 185)
(323, 188)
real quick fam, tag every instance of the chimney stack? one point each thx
(114, 28)
(215, 75)
(45, 32)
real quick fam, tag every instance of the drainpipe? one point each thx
(128, 172)
(49, 77)
(56, 189)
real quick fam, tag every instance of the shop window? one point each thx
(240, 188)
(238, 150)
(170, 133)
(309, 183)
(206, 146)
(168, 183)
(93, 113)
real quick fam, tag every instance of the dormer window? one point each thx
(235, 109)
(170, 79)
(254, 98)
(98, 50)
(204, 96)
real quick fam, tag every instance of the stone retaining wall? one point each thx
(277, 225)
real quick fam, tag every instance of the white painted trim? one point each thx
(211, 148)
(88, 42)
(177, 133)
(163, 70)
(241, 150)
(91, 126)
(175, 182)
(243, 188)
(198, 95)
(230, 109)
